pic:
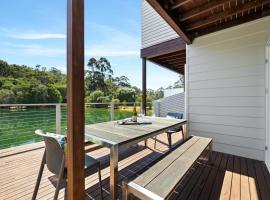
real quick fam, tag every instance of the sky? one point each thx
(33, 32)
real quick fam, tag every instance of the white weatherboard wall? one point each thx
(154, 29)
(226, 88)
(173, 103)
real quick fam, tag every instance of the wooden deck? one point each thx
(229, 177)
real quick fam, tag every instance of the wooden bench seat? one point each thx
(159, 181)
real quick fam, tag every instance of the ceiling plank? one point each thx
(219, 16)
(174, 55)
(173, 59)
(179, 3)
(166, 66)
(229, 24)
(160, 10)
(176, 62)
(207, 7)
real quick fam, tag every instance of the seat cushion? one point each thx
(174, 115)
(61, 139)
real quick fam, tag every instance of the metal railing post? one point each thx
(158, 109)
(58, 118)
(112, 111)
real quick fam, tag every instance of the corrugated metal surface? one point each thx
(227, 88)
(154, 29)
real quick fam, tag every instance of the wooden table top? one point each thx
(110, 133)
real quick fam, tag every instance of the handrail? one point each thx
(19, 121)
(64, 104)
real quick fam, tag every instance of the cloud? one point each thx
(32, 50)
(103, 40)
(110, 53)
(30, 35)
(37, 36)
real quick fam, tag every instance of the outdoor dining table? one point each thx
(115, 136)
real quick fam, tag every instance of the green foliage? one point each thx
(178, 84)
(159, 93)
(97, 73)
(53, 94)
(105, 99)
(22, 84)
(63, 91)
(116, 101)
(7, 96)
(95, 97)
(126, 94)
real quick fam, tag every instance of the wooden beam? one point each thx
(75, 100)
(144, 86)
(176, 62)
(171, 59)
(179, 3)
(207, 7)
(227, 13)
(170, 65)
(160, 10)
(163, 48)
(173, 55)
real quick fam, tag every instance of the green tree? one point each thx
(63, 91)
(95, 97)
(38, 94)
(99, 71)
(122, 81)
(7, 97)
(180, 83)
(5, 70)
(53, 95)
(105, 99)
(126, 94)
(159, 93)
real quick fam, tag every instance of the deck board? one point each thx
(228, 177)
(209, 183)
(236, 181)
(245, 190)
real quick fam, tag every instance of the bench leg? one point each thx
(125, 191)
(169, 140)
(145, 143)
(210, 148)
(155, 144)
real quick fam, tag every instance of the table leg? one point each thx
(113, 172)
(169, 136)
(145, 143)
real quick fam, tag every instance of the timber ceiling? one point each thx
(174, 61)
(194, 18)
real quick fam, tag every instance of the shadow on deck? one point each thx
(228, 177)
